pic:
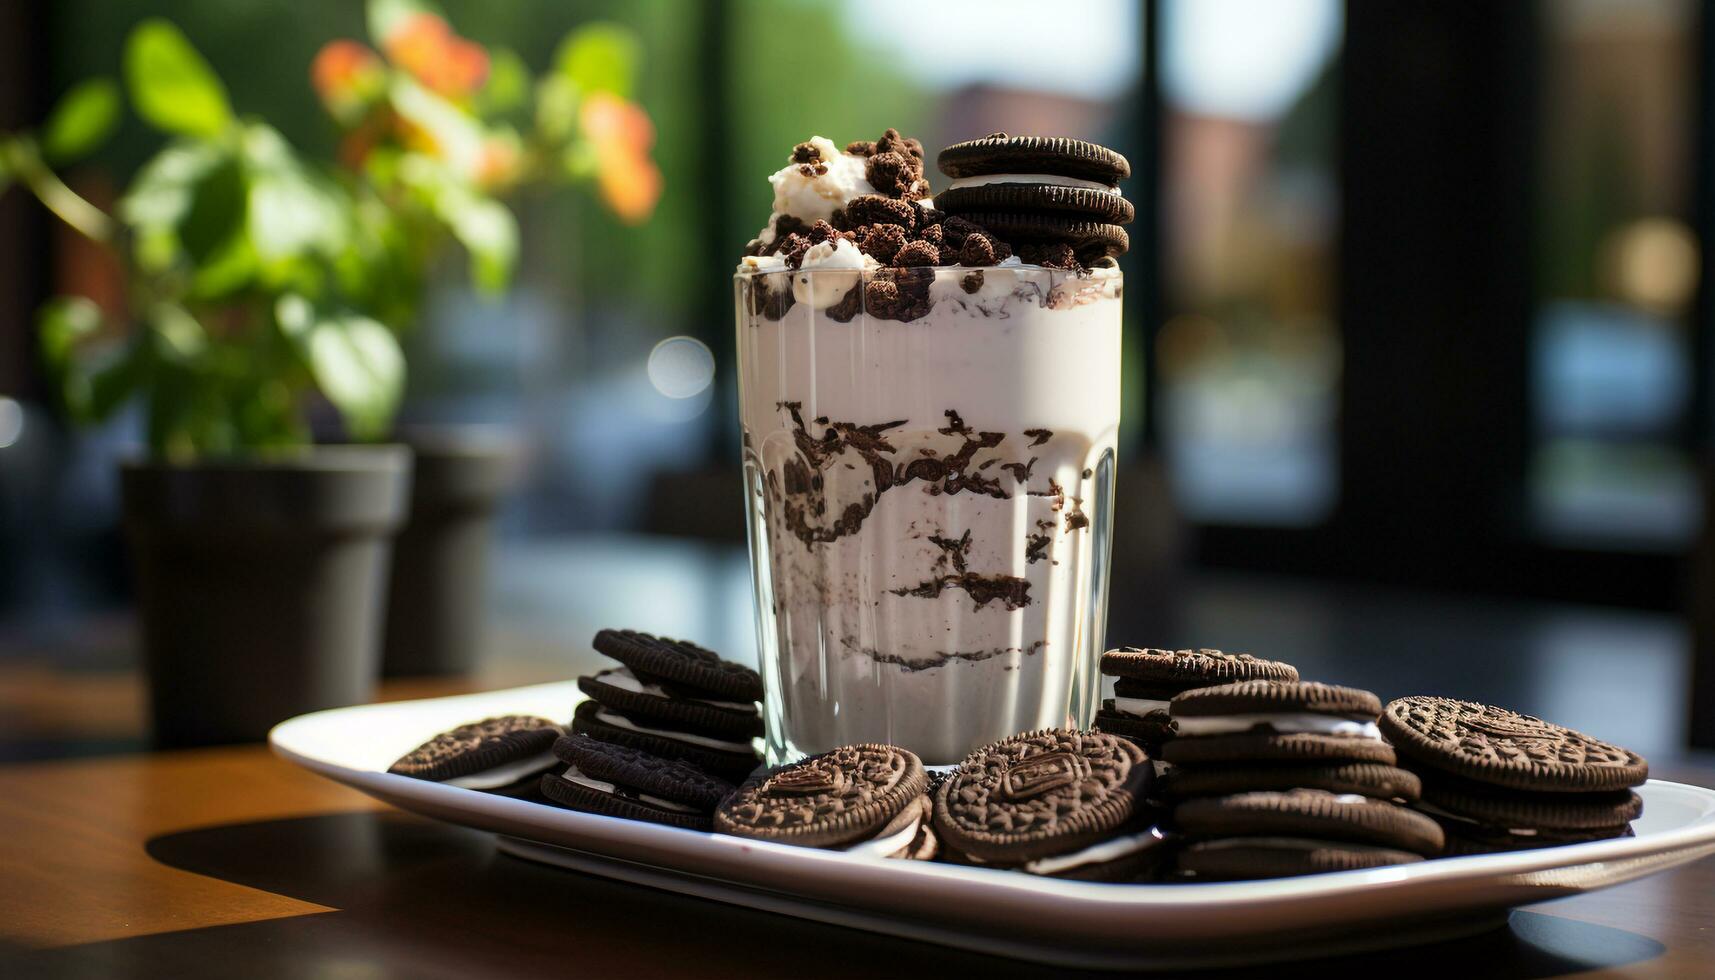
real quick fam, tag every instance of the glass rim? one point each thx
(1106, 272)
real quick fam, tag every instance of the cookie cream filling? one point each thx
(575, 775)
(809, 196)
(503, 775)
(620, 721)
(625, 680)
(1294, 843)
(1139, 706)
(1108, 850)
(983, 180)
(1280, 722)
(891, 844)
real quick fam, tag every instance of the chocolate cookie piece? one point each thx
(1090, 240)
(731, 759)
(1245, 858)
(1192, 668)
(1088, 204)
(999, 153)
(676, 662)
(1300, 748)
(1265, 697)
(1312, 814)
(838, 798)
(1362, 778)
(1463, 839)
(1041, 794)
(622, 689)
(496, 754)
(1556, 811)
(621, 782)
(1497, 747)
(1150, 729)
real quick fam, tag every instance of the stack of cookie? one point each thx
(1057, 802)
(504, 755)
(861, 799)
(673, 700)
(1057, 199)
(1279, 778)
(1149, 679)
(1496, 780)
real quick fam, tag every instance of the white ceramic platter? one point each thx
(1044, 919)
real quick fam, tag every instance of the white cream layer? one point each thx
(1280, 722)
(983, 180)
(1108, 850)
(1139, 706)
(883, 846)
(504, 775)
(620, 721)
(575, 775)
(625, 680)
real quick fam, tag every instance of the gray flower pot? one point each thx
(439, 586)
(260, 583)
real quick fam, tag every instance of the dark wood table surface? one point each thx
(228, 862)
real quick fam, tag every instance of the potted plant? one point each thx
(259, 556)
(436, 133)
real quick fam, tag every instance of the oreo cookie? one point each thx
(1090, 240)
(865, 799)
(1497, 747)
(1243, 858)
(622, 689)
(1276, 721)
(616, 781)
(730, 758)
(1310, 815)
(502, 755)
(999, 153)
(1148, 679)
(1090, 203)
(679, 666)
(1056, 802)
(1369, 779)
(1497, 780)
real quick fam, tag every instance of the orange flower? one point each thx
(499, 161)
(348, 77)
(425, 46)
(621, 133)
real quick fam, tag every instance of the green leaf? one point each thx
(178, 335)
(601, 57)
(508, 85)
(163, 190)
(291, 209)
(171, 85)
(356, 362)
(457, 136)
(94, 379)
(83, 118)
(385, 16)
(62, 323)
(556, 108)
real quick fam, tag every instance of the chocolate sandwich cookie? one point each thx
(1149, 679)
(622, 689)
(1361, 778)
(1496, 747)
(1245, 858)
(1090, 240)
(1035, 191)
(999, 153)
(682, 668)
(1057, 802)
(866, 799)
(1309, 815)
(616, 781)
(1276, 721)
(1100, 204)
(725, 756)
(502, 755)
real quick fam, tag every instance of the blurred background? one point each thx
(1418, 376)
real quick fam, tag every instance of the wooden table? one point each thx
(229, 862)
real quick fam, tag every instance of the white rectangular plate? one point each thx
(1003, 912)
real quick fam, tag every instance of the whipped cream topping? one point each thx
(1139, 706)
(891, 844)
(842, 266)
(1280, 722)
(625, 680)
(503, 775)
(808, 196)
(984, 180)
(575, 775)
(1109, 850)
(620, 721)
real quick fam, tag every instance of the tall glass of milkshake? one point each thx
(930, 408)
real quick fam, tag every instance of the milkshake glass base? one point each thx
(929, 486)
